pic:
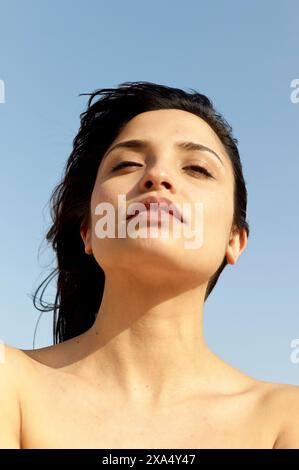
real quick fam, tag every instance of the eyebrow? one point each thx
(143, 144)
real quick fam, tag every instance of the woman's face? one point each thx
(163, 170)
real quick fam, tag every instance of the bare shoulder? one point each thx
(21, 372)
(11, 364)
(17, 366)
(284, 407)
(19, 361)
(61, 356)
(11, 368)
(14, 367)
(280, 404)
(276, 409)
(17, 377)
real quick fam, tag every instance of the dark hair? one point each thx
(81, 280)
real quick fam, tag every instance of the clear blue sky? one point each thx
(243, 55)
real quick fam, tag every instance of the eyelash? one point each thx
(127, 163)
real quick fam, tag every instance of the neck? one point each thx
(148, 338)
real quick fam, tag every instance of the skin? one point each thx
(143, 375)
(157, 346)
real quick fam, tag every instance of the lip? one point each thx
(165, 202)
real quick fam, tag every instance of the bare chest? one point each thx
(68, 414)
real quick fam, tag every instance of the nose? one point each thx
(156, 178)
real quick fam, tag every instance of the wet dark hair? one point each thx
(80, 282)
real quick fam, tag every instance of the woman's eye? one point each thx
(195, 168)
(125, 164)
(200, 169)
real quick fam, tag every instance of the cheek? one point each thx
(101, 193)
(217, 206)
(218, 214)
(217, 220)
(108, 191)
(105, 250)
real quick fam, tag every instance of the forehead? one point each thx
(164, 125)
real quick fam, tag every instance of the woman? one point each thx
(130, 367)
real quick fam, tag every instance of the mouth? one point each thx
(157, 204)
(154, 215)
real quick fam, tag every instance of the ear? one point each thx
(236, 245)
(85, 233)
